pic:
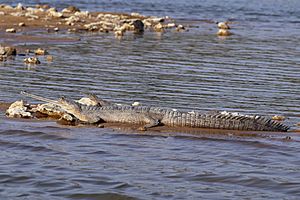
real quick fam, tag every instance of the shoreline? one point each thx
(24, 22)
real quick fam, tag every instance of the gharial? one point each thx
(150, 116)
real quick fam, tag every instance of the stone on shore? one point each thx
(278, 117)
(159, 27)
(49, 58)
(10, 30)
(50, 110)
(180, 27)
(40, 51)
(223, 25)
(32, 60)
(7, 51)
(224, 32)
(18, 109)
(70, 9)
(87, 101)
(41, 16)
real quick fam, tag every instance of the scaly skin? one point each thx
(153, 116)
(168, 117)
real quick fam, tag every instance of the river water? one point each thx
(255, 71)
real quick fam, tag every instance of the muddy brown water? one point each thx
(256, 71)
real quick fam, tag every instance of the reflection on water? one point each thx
(255, 71)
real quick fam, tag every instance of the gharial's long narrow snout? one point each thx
(40, 98)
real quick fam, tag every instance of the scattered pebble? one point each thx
(32, 60)
(52, 12)
(180, 28)
(85, 21)
(31, 16)
(223, 25)
(100, 126)
(134, 14)
(136, 103)
(278, 117)
(87, 101)
(10, 30)
(224, 32)
(43, 6)
(40, 51)
(288, 138)
(21, 24)
(171, 25)
(49, 58)
(223, 29)
(8, 51)
(27, 51)
(70, 9)
(159, 27)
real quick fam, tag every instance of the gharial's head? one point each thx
(68, 105)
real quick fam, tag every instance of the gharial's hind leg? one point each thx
(153, 123)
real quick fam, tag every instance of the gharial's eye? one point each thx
(62, 98)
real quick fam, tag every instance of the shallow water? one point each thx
(256, 71)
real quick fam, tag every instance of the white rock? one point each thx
(17, 109)
(52, 10)
(17, 14)
(82, 14)
(223, 25)
(87, 101)
(10, 30)
(135, 14)
(171, 25)
(31, 16)
(136, 103)
(55, 14)
(156, 19)
(8, 7)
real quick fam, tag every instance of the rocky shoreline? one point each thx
(71, 19)
(19, 25)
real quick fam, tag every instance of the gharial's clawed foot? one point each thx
(142, 128)
(100, 126)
